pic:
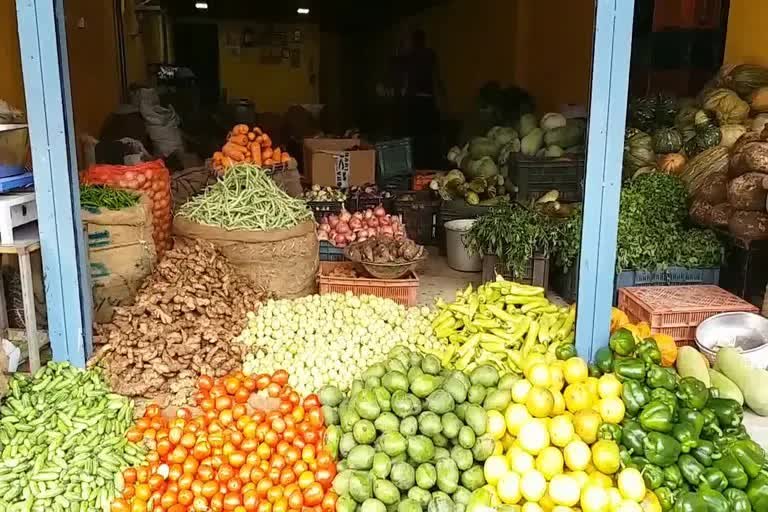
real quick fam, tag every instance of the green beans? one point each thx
(62, 441)
(246, 198)
(95, 197)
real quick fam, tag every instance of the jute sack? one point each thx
(282, 261)
(121, 253)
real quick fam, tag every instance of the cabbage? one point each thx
(532, 142)
(552, 120)
(484, 167)
(564, 136)
(502, 135)
(553, 152)
(527, 124)
(483, 146)
(508, 150)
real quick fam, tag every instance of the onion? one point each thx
(333, 220)
(373, 222)
(351, 237)
(324, 220)
(387, 230)
(345, 216)
(368, 213)
(343, 228)
(355, 224)
(324, 228)
(384, 221)
(340, 240)
(322, 235)
(379, 211)
(358, 215)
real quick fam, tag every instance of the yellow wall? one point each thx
(272, 88)
(11, 82)
(746, 39)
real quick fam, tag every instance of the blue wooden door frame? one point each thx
(605, 146)
(49, 108)
(43, 43)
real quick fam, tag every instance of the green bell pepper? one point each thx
(609, 432)
(656, 416)
(622, 342)
(667, 397)
(649, 351)
(738, 500)
(686, 435)
(604, 359)
(715, 479)
(635, 396)
(690, 502)
(705, 452)
(653, 476)
(629, 368)
(714, 500)
(757, 492)
(565, 351)
(693, 393)
(625, 457)
(666, 498)
(711, 430)
(633, 436)
(750, 455)
(594, 371)
(691, 469)
(658, 377)
(672, 477)
(732, 470)
(729, 413)
(692, 418)
(661, 449)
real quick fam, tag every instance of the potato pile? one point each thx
(385, 249)
(182, 324)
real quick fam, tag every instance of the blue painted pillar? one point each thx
(43, 43)
(605, 146)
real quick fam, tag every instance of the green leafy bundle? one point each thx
(96, 197)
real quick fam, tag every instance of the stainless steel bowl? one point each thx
(746, 332)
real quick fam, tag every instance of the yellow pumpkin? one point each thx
(641, 330)
(759, 100)
(667, 347)
(619, 319)
(671, 163)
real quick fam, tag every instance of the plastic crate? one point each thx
(419, 216)
(678, 310)
(393, 158)
(537, 176)
(323, 208)
(672, 276)
(396, 182)
(404, 291)
(329, 252)
(536, 271)
(422, 179)
(359, 204)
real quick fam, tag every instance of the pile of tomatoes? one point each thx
(228, 456)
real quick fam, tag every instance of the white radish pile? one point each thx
(345, 228)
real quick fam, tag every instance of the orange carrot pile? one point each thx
(250, 145)
(232, 454)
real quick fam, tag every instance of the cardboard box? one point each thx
(328, 163)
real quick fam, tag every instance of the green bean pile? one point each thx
(96, 197)
(62, 441)
(246, 198)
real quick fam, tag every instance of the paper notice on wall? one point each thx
(342, 169)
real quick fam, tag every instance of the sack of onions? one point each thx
(343, 229)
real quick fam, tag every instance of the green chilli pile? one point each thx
(246, 198)
(96, 197)
(62, 441)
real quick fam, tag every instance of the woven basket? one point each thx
(387, 270)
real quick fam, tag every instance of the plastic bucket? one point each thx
(459, 258)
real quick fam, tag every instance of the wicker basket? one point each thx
(387, 270)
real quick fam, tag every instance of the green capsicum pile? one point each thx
(689, 444)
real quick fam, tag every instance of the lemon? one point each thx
(609, 386)
(562, 508)
(600, 479)
(534, 436)
(507, 440)
(494, 468)
(520, 460)
(533, 485)
(494, 495)
(558, 406)
(564, 490)
(631, 485)
(592, 384)
(561, 430)
(539, 375)
(547, 503)
(556, 377)
(575, 370)
(577, 455)
(577, 397)
(520, 391)
(532, 359)
(531, 507)
(509, 488)
(611, 409)
(606, 458)
(550, 462)
(496, 426)
(516, 416)
(581, 477)
(614, 497)
(628, 506)
(650, 502)
(594, 498)
(586, 423)
(539, 402)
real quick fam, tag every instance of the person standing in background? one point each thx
(422, 83)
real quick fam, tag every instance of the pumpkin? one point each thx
(703, 118)
(727, 106)
(638, 150)
(667, 140)
(758, 123)
(671, 163)
(640, 330)
(619, 319)
(759, 100)
(700, 169)
(667, 347)
(730, 133)
(705, 138)
(746, 78)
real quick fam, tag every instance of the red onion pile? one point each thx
(345, 228)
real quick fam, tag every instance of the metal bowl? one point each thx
(746, 332)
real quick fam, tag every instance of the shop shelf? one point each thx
(330, 253)
(537, 176)
(404, 291)
(678, 310)
(536, 271)
(419, 216)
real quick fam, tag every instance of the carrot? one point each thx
(256, 153)
(217, 156)
(232, 151)
(269, 161)
(257, 130)
(266, 142)
(266, 153)
(240, 129)
(251, 135)
(240, 140)
(276, 153)
(285, 158)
